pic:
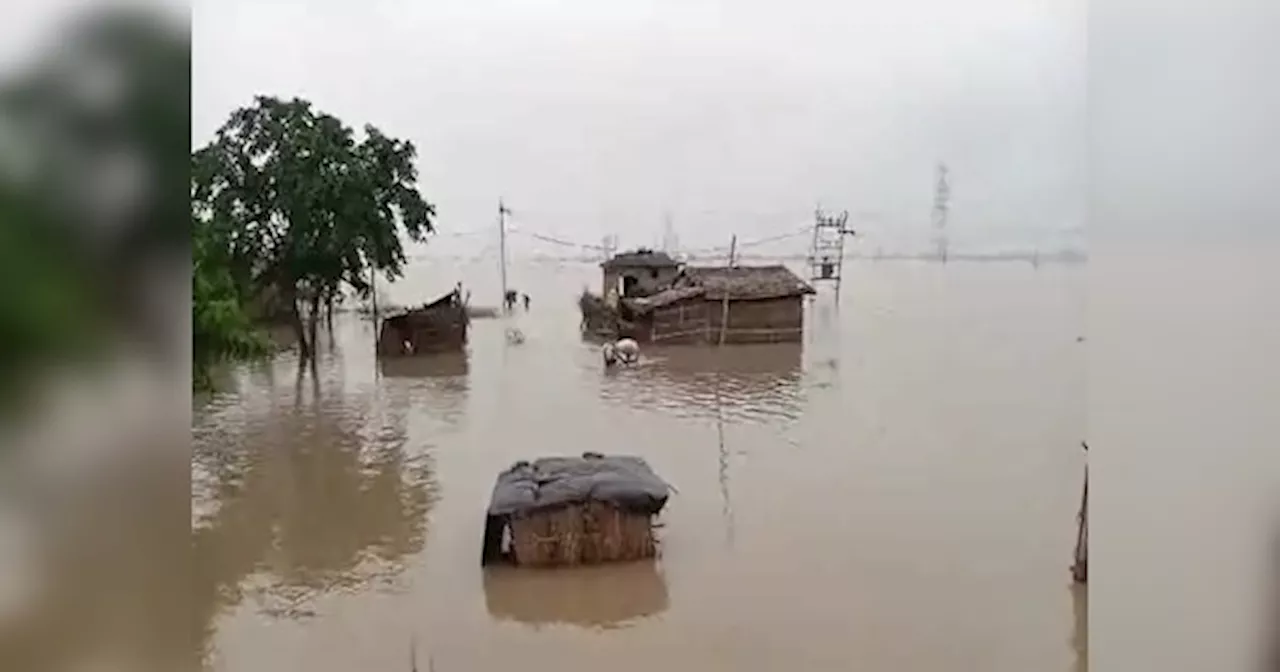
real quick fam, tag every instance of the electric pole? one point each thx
(502, 246)
(826, 252)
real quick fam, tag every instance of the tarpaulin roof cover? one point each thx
(624, 481)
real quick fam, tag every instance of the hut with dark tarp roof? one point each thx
(574, 510)
(439, 326)
(750, 304)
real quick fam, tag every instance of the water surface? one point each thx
(896, 493)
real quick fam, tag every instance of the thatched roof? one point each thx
(747, 282)
(640, 259)
(664, 298)
(741, 283)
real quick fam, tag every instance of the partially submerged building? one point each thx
(638, 273)
(439, 326)
(741, 304)
(574, 510)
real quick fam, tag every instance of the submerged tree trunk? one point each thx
(328, 309)
(295, 320)
(313, 320)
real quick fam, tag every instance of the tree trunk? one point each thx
(314, 319)
(295, 319)
(328, 310)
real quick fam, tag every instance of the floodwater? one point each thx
(897, 493)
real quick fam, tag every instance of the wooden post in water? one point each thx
(1080, 568)
(723, 450)
(724, 311)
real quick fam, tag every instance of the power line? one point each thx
(753, 243)
(557, 241)
(522, 230)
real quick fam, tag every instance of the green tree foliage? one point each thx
(302, 208)
(220, 328)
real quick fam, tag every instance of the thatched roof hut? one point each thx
(764, 304)
(574, 510)
(439, 326)
(746, 283)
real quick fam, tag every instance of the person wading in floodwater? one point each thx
(525, 297)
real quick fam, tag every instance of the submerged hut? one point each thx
(574, 510)
(439, 326)
(749, 304)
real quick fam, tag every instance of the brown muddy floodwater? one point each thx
(897, 493)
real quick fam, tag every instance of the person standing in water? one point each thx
(525, 297)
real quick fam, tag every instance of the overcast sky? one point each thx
(594, 117)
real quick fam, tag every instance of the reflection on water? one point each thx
(1080, 634)
(448, 365)
(312, 496)
(826, 517)
(743, 383)
(608, 596)
(436, 383)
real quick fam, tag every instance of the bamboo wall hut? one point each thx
(439, 326)
(574, 510)
(753, 304)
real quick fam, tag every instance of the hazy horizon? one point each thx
(591, 120)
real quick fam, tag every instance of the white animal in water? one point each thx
(625, 351)
(515, 336)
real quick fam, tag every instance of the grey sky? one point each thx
(594, 117)
(1184, 124)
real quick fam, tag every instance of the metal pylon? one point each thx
(826, 253)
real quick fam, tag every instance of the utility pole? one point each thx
(502, 248)
(724, 452)
(826, 253)
(724, 310)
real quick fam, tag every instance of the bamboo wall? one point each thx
(699, 320)
(590, 533)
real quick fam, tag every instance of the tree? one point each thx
(304, 208)
(220, 328)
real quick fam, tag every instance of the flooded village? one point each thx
(560, 437)
(850, 482)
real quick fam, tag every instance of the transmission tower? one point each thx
(826, 253)
(941, 205)
(670, 241)
(609, 246)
